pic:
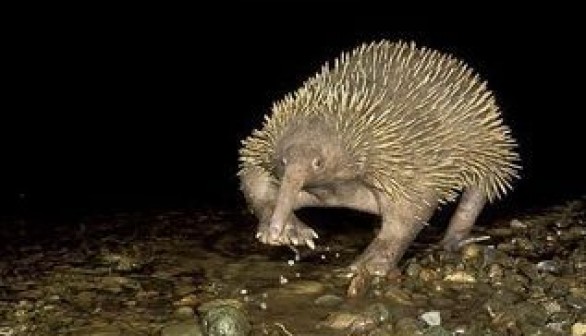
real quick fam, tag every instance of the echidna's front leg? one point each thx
(401, 222)
(261, 192)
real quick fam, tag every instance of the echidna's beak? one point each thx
(291, 183)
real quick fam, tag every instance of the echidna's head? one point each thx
(309, 162)
(306, 156)
(312, 156)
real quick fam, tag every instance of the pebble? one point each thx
(432, 318)
(184, 312)
(579, 329)
(328, 300)
(185, 328)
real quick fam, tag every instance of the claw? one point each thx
(258, 235)
(471, 240)
(314, 234)
(310, 243)
(295, 241)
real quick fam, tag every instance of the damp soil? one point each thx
(200, 271)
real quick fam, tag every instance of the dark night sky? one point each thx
(148, 110)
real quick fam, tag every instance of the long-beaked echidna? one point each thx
(391, 129)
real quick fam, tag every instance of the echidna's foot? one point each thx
(294, 232)
(262, 232)
(456, 243)
(453, 242)
(359, 283)
(378, 258)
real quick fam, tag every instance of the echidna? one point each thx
(390, 128)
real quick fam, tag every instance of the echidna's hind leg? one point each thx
(470, 206)
(401, 222)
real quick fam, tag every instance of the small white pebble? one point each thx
(265, 295)
(291, 262)
(432, 318)
(297, 257)
(337, 255)
(460, 330)
(283, 280)
(323, 257)
(297, 275)
(328, 248)
(263, 305)
(243, 291)
(578, 329)
(515, 223)
(7, 331)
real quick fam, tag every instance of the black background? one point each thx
(111, 108)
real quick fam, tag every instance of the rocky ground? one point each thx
(200, 272)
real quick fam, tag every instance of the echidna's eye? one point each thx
(316, 163)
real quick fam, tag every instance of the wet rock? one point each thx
(99, 331)
(550, 266)
(527, 313)
(373, 316)
(303, 287)
(528, 269)
(460, 277)
(84, 300)
(378, 312)
(558, 327)
(8, 331)
(224, 318)
(328, 300)
(576, 301)
(431, 318)
(442, 302)
(384, 330)
(501, 232)
(436, 331)
(408, 326)
(185, 289)
(190, 300)
(184, 328)
(579, 329)
(206, 306)
(398, 295)
(517, 224)
(116, 284)
(496, 273)
(339, 320)
(427, 274)
(363, 323)
(412, 270)
(551, 307)
(184, 312)
(471, 252)
(528, 329)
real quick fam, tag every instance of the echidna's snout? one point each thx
(292, 181)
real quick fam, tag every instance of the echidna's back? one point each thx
(413, 117)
